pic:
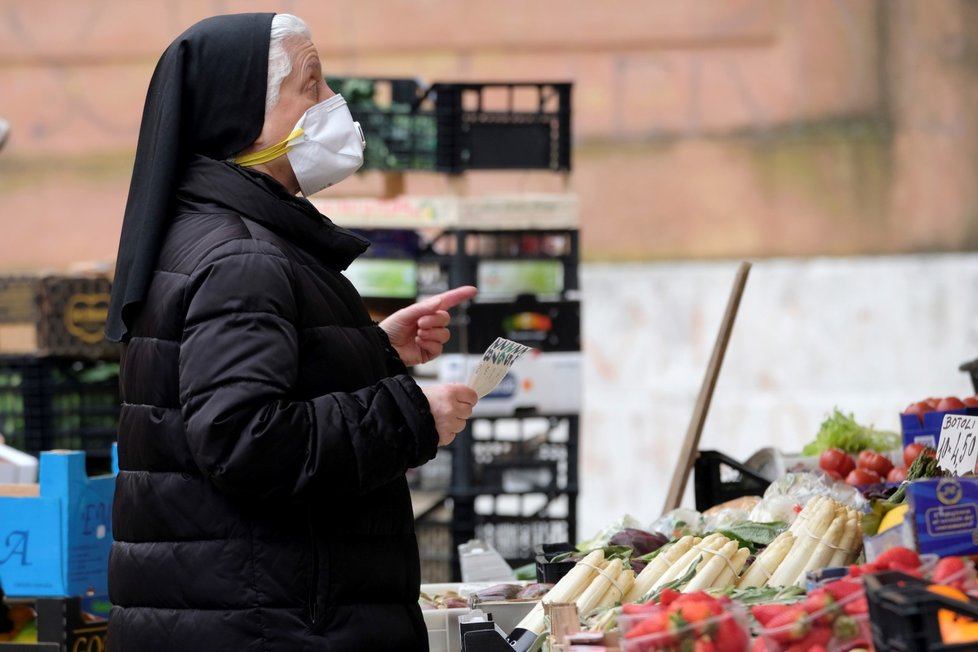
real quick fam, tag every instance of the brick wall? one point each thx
(702, 129)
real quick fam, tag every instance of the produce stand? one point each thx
(784, 552)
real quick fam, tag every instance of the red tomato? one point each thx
(919, 409)
(932, 402)
(897, 474)
(950, 403)
(875, 462)
(861, 476)
(970, 401)
(836, 462)
(913, 451)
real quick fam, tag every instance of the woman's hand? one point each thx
(419, 332)
(451, 405)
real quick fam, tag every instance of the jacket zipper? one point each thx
(314, 583)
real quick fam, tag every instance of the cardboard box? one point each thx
(56, 542)
(55, 315)
(927, 432)
(17, 467)
(945, 512)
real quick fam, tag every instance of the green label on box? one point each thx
(511, 277)
(384, 278)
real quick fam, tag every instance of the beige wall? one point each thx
(702, 129)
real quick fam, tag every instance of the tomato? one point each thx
(932, 402)
(913, 451)
(970, 401)
(836, 462)
(950, 403)
(920, 409)
(875, 462)
(860, 476)
(897, 474)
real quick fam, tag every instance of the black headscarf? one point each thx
(207, 96)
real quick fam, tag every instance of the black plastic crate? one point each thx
(903, 614)
(718, 478)
(472, 257)
(51, 403)
(503, 126)
(454, 127)
(551, 571)
(434, 532)
(514, 455)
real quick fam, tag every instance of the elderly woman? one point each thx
(267, 422)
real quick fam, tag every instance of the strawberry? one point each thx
(764, 613)
(904, 557)
(845, 628)
(843, 588)
(821, 602)
(950, 571)
(790, 626)
(817, 636)
(634, 608)
(704, 645)
(694, 613)
(730, 636)
(857, 607)
(657, 622)
(760, 645)
(668, 596)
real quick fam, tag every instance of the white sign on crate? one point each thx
(958, 448)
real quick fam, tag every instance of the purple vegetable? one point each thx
(640, 541)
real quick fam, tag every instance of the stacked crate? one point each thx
(511, 478)
(58, 375)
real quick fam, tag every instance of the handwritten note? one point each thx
(495, 364)
(957, 450)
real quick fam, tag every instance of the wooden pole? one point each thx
(690, 448)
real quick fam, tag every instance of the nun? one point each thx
(267, 422)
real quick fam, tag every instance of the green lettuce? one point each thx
(840, 430)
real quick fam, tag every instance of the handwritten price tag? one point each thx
(958, 448)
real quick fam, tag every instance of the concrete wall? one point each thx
(866, 335)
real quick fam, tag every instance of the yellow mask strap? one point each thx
(269, 153)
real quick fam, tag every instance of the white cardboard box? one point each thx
(17, 467)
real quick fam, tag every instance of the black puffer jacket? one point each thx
(266, 427)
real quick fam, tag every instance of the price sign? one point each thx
(958, 448)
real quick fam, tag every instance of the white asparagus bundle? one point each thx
(708, 571)
(659, 565)
(827, 546)
(566, 589)
(852, 541)
(768, 561)
(807, 538)
(706, 548)
(731, 572)
(618, 589)
(592, 595)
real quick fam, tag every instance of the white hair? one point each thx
(284, 27)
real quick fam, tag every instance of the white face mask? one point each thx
(325, 147)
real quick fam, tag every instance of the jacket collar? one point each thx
(261, 198)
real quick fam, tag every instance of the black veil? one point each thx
(207, 97)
